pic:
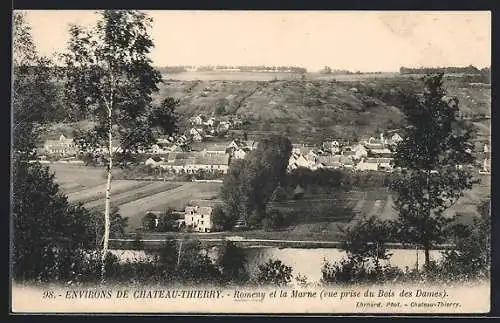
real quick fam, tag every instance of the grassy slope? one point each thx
(313, 109)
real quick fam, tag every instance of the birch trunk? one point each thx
(108, 202)
(108, 183)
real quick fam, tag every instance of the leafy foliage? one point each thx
(110, 78)
(250, 183)
(472, 252)
(233, 264)
(274, 272)
(434, 144)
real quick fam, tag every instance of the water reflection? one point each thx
(307, 262)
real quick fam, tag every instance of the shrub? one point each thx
(274, 272)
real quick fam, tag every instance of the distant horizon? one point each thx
(317, 70)
(365, 41)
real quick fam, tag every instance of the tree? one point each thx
(268, 164)
(222, 220)
(471, 254)
(149, 222)
(250, 183)
(44, 223)
(117, 227)
(434, 143)
(167, 222)
(235, 191)
(366, 240)
(274, 272)
(220, 109)
(279, 194)
(109, 76)
(194, 265)
(33, 91)
(233, 262)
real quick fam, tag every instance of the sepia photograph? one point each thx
(249, 162)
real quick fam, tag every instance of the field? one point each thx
(267, 76)
(134, 198)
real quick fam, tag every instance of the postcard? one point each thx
(250, 162)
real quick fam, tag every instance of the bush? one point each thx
(223, 220)
(351, 271)
(274, 272)
(274, 220)
(149, 222)
(232, 261)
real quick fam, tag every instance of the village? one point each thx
(205, 147)
(204, 154)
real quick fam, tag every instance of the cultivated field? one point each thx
(268, 76)
(134, 198)
(315, 216)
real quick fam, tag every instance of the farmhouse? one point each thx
(380, 152)
(198, 218)
(367, 164)
(61, 146)
(239, 153)
(360, 151)
(212, 162)
(196, 134)
(331, 146)
(198, 120)
(215, 149)
(383, 164)
(347, 162)
(329, 162)
(153, 161)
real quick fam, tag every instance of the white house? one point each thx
(360, 151)
(374, 164)
(198, 120)
(198, 218)
(367, 164)
(210, 122)
(329, 162)
(62, 146)
(239, 154)
(153, 162)
(396, 138)
(232, 146)
(224, 126)
(212, 162)
(332, 146)
(381, 152)
(311, 156)
(301, 161)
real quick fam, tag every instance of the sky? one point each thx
(364, 41)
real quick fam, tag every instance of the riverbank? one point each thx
(155, 243)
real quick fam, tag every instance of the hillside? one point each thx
(311, 110)
(307, 110)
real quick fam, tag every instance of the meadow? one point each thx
(134, 198)
(315, 217)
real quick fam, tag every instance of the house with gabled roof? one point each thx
(347, 162)
(198, 218)
(212, 162)
(332, 162)
(61, 146)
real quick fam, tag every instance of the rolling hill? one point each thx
(312, 110)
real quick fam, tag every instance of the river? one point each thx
(307, 262)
